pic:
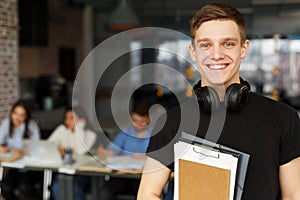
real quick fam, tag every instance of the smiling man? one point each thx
(217, 50)
(267, 130)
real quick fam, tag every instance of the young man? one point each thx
(267, 130)
(132, 141)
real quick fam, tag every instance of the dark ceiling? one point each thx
(175, 14)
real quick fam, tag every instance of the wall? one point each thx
(65, 31)
(9, 86)
(42, 63)
(276, 23)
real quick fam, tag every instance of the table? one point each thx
(97, 170)
(84, 165)
(27, 164)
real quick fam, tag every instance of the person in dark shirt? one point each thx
(229, 113)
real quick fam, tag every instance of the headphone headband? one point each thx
(236, 96)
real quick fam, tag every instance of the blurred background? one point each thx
(44, 43)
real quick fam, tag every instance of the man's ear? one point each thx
(245, 49)
(192, 52)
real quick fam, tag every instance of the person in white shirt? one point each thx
(74, 135)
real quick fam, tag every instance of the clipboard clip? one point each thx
(209, 149)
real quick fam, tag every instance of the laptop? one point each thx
(42, 153)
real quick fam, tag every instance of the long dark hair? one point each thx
(22, 104)
(80, 113)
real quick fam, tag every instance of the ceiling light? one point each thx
(123, 18)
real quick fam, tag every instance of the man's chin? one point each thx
(139, 129)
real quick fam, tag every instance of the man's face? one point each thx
(218, 52)
(140, 122)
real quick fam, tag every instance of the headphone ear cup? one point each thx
(237, 96)
(208, 98)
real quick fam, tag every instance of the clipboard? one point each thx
(242, 164)
(203, 173)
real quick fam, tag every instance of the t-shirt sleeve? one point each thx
(290, 139)
(168, 130)
(163, 154)
(161, 145)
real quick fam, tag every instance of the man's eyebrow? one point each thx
(224, 39)
(231, 39)
(202, 40)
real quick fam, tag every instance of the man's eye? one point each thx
(204, 45)
(229, 44)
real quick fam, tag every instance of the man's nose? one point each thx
(217, 53)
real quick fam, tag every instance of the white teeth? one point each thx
(216, 66)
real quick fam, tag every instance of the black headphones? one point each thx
(236, 96)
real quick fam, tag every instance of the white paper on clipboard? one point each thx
(203, 157)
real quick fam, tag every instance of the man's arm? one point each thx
(289, 175)
(154, 178)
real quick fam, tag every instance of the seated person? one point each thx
(13, 130)
(132, 141)
(73, 135)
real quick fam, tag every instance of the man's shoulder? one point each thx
(126, 132)
(267, 103)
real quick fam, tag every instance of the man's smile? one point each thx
(217, 67)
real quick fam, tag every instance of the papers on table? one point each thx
(89, 163)
(82, 163)
(204, 170)
(20, 163)
(124, 163)
(29, 161)
(68, 169)
(119, 164)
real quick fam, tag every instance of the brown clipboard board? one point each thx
(198, 181)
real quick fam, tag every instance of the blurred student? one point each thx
(13, 130)
(74, 135)
(132, 141)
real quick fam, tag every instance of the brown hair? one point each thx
(80, 113)
(22, 104)
(218, 11)
(141, 109)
